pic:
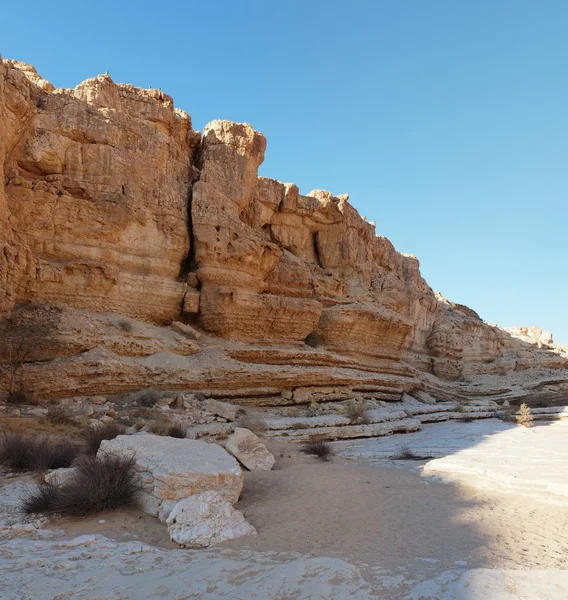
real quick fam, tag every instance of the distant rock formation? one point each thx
(111, 203)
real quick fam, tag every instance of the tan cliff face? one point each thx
(111, 203)
(96, 184)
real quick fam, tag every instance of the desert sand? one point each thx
(362, 525)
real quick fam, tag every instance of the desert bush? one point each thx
(147, 398)
(357, 412)
(125, 325)
(176, 431)
(17, 397)
(525, 416)
(165, 428)
(58, 415)
(406, 453)
(20, 452)
(93, 436)
(318, 446)
(105, 483)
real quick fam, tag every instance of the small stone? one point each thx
(60, 477)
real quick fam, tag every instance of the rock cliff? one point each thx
(111, 204)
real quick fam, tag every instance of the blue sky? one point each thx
(446, 121)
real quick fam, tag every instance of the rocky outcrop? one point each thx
(94, 196)
(111, 205)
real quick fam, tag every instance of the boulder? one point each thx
(172, 469)
(205, 520)
(222, 409)
(247, 448)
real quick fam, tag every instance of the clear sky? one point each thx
(445, 120)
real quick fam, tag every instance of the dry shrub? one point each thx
(525, 416)
(93, 436)
(125, 325)
(147, 398)
(58, 415)
(17, 397)
(165, 428)
(318, 446)
(105, 483)
(357, 412)
(406, 453)
(176, 431)
(20, 452)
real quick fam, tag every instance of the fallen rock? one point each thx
(247, 448)
(205, 520)
(222, 409)
(172, 469)
(186, 330)
(424, 397)
(37, 412)
(98, 400)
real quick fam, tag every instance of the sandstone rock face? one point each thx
(245, 446)
(94, 194)
(205, 520)
(111, 204)
(172, 469)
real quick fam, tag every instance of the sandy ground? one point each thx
(408, 535)
(393, 517)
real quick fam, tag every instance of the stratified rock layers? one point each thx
(111, 203)
(94, 195)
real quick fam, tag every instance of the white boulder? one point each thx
(171, 469)
(247, 448)
(205, 520)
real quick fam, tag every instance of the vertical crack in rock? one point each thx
(316, 249)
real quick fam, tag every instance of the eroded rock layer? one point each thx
(111, 204)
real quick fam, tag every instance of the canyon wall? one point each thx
(111, 204)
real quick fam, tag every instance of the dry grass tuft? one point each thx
(406, 453)
(147, 398)
(20, 452)
(105, 483)
(58, 415)
(318, 446)
(18, 397)
(93, 436)
(357, 412)
(166, 428)
(125, 326)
